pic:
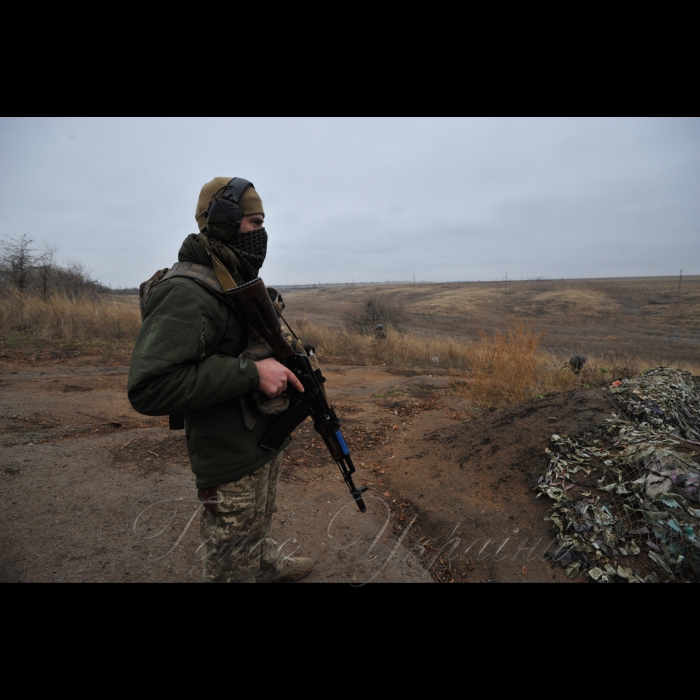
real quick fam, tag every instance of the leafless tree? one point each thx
(18, 259)
(45, 265)
(21, 268)
(76, 278)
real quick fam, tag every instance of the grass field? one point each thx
(500, 347)
(608, 318)
(61, 326)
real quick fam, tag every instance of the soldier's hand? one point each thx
(274, 377)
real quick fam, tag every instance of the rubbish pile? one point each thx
(626, 492)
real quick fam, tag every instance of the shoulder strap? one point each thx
(224, 277)
(203, 274)
(207, 277)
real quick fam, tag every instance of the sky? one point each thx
(366, 199)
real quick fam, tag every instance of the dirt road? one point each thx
(92, 491)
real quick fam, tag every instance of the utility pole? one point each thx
(505, 289)
(680, 279)
(414, 281)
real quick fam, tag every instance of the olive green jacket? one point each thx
(186, 361)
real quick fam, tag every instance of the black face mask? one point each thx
(251, 249)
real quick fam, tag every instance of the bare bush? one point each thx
(377, 309)
(75, 279)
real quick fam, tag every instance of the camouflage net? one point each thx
(625, 492)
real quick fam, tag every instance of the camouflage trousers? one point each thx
(238, 545)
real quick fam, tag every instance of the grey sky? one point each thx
(371, 199)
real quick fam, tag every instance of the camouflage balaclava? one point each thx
(246, 252)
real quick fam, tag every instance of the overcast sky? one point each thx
(366, 199)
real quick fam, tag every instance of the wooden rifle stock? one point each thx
(253, 301)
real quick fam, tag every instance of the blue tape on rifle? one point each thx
(341, 440)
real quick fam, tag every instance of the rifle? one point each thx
(254, 304)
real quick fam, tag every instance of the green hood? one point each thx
(191, 251)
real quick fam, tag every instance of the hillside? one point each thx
(637, 316)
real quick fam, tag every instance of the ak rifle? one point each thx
(254, 304)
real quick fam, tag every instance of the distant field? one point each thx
(620, 325)
(640, 317)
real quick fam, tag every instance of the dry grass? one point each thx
(396, 349)
(505, 367)
(511, 366)
(63, 318)
(489, 369)
(607, 318)
(495, 370)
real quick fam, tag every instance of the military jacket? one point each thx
(186, 361)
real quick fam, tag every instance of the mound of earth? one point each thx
(468, 490)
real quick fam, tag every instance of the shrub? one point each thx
(376, 309)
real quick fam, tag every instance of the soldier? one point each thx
(194, 356)
(576, 362)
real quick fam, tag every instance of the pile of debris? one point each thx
(626, 492)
